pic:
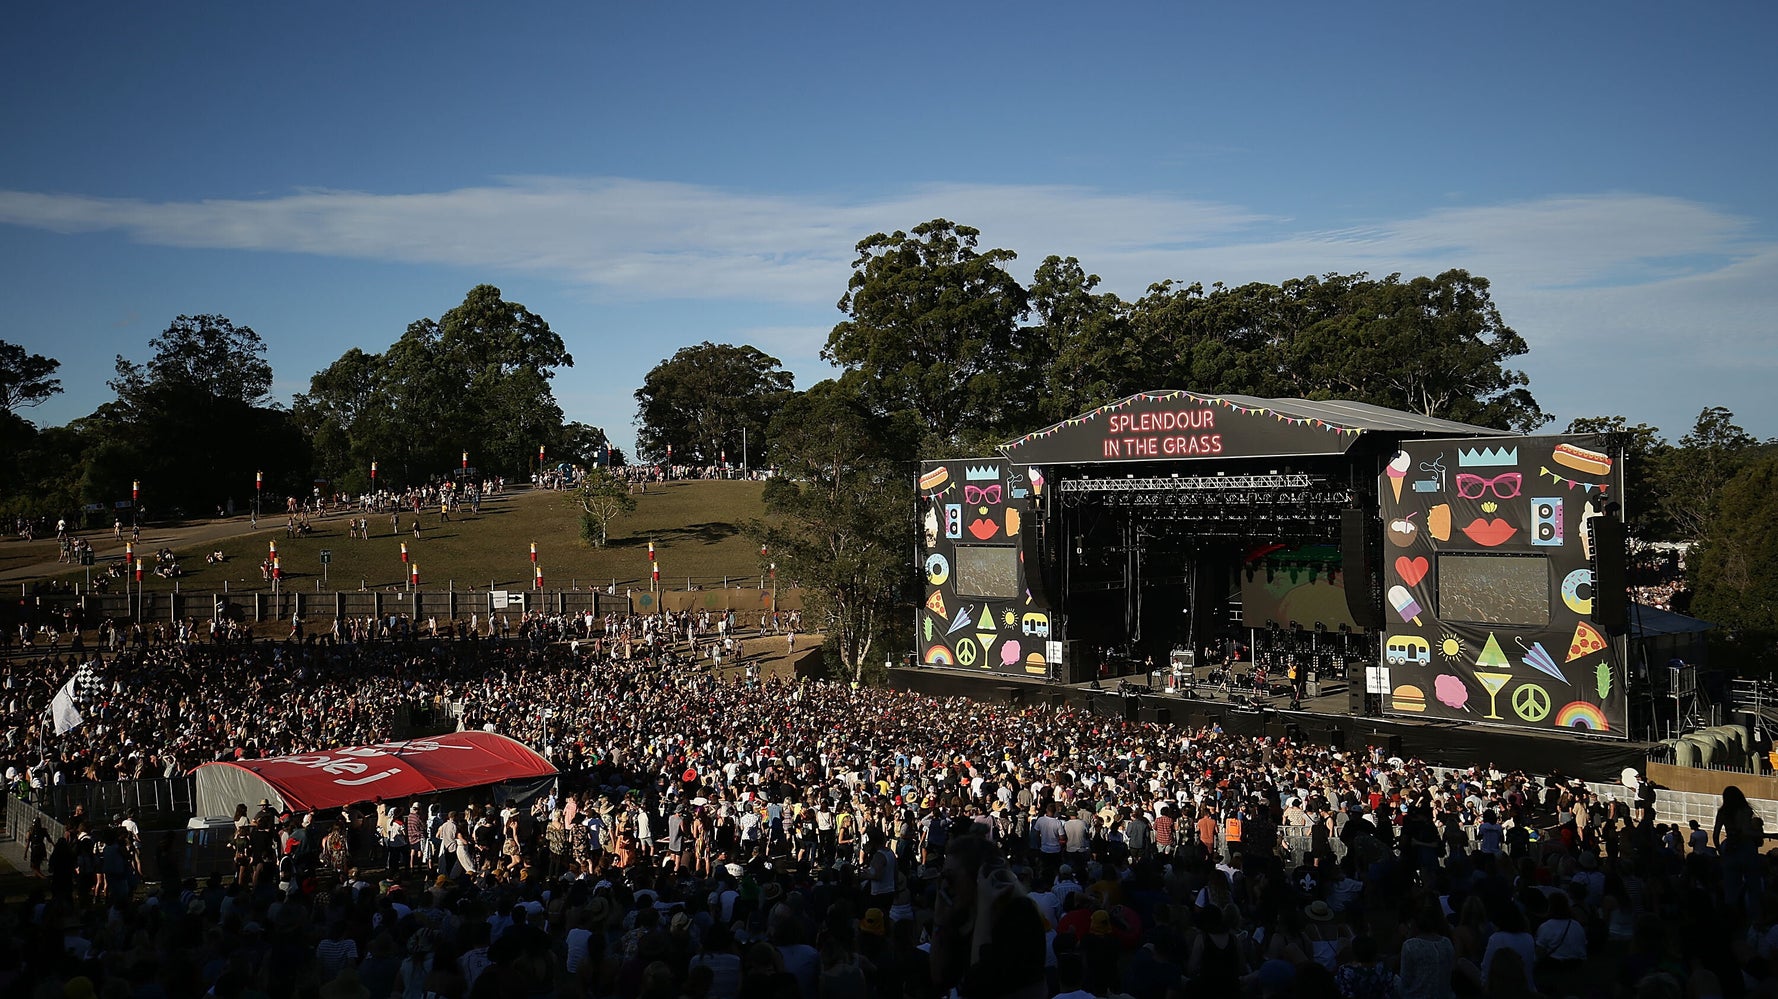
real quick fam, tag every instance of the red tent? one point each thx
(387, 770)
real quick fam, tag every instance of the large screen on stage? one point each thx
(1510, 590)
(983, 571)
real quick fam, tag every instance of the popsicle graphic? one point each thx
(1404, 603)
(1398, 472)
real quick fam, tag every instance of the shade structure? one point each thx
(1652, 622)
(386, 770)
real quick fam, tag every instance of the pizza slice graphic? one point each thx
(1587, 641)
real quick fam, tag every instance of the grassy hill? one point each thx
(696, 527)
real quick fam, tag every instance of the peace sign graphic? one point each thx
(1531, 702)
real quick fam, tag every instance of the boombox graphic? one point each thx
(1546, 521)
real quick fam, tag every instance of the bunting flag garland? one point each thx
(1571, 483)
(1112, 407)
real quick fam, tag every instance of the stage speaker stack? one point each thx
(1359, 534)
(1355, 699)
(1277, 730)
(1610, 591)
(1160, 716)
(1132, 708)
(1076, 666)
(1334, 737)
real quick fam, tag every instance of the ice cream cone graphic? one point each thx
(1398, 472)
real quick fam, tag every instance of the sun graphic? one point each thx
(1451, 647)
(1010, 619)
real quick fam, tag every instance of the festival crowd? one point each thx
(714, 839)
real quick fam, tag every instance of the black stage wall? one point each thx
(1443, 744)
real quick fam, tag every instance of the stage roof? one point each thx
(387, 770)
(1178, 424)
(1651, 622)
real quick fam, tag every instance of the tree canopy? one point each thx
(1731, 568)
(25, 378)
(192, 423)
(843, 512)
(708, 400)
(934, 325)
(477, 379)
(601, 498)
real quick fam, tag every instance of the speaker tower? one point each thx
(1359, 563)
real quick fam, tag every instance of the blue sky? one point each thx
(648, 176)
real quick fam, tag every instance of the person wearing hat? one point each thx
(1066, 883)
(1327, 937)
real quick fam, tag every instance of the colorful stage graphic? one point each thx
(1494, 566)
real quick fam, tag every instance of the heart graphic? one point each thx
(1412, 570)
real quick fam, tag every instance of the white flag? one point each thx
(62, 710)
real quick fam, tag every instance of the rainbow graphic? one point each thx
(1580, 714)
(940, 655)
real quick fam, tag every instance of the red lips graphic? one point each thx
(983, 528)
(1489, 533)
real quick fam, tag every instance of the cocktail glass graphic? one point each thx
(1493, 683)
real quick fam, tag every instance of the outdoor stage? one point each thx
(1325, 720)
(1460, 588)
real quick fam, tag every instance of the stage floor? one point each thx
(1238, 691)
(1326, 720)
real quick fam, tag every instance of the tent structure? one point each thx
(388, 770)
(1653, 622)
(1662, 636)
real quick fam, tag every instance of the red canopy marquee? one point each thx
(386, 770)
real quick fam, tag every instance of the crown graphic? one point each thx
(979, 472)
(1487, 457)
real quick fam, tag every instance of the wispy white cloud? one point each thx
(630, 238)
(1632, 289)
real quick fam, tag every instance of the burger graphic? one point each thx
(1408, 697)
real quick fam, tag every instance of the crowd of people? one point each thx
(783, 839)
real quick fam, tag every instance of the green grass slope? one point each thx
(696, 527)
